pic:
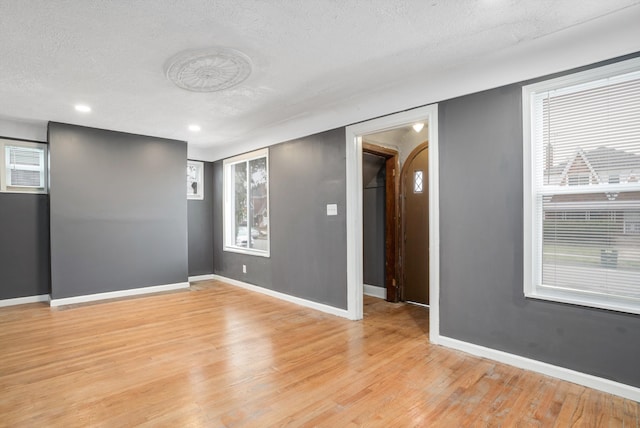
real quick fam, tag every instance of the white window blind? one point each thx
(585, 188)
(23, 166)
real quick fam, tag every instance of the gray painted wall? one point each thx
(118, 211)
(373, 204)
(200, 225)
(24, 246)
(308, 248)
(481, 241)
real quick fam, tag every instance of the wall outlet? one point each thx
(244, 268)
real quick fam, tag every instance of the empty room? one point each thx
(375, 213)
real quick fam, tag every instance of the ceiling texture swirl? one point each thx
(262, 72)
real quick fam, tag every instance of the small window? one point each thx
(23, 166)
(195, 181)
(581, 191)
(246, 203)
(579, 179)
(417, 181)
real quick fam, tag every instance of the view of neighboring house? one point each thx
(595, 231)
(590, 168)
(596, 166)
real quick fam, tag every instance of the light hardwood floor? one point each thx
(219, 356)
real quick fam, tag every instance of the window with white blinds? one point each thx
(23, 166)
(582, 188)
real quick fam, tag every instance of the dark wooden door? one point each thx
(416, 227)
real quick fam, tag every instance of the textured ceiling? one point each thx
(403, 139)
(317, 64)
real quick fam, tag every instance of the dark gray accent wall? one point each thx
(308, 248)
(118, 211)
(200, 226)
(24, 245)
(373, 217)
(481, 242)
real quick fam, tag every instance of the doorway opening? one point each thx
(357, 138)
(380, 166)
(396, 214)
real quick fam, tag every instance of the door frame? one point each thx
(391, 211)
(353, 143)
(403, 211)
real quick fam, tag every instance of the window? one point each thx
(246, 203)
(417, 181)
(195, 181)
(581, 187)
(23, 166)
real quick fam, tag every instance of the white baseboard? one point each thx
(116, 294)
(372, 290)
(590, 381)
(24, 300)
(282, 296)
(201, 277)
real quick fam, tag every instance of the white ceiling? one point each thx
(317, 64)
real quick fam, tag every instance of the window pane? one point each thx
(590, 136)
(246, 204)
(192, 180)
(417, 182)
(195, 180)
(24, 156)
(259, 206)
(240, 231)
(591, 242)
(24, 178)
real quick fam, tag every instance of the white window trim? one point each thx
(227, 206)
(200, 180)
(4, 186)
(533, 287)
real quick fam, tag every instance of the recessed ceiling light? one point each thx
(194, 128)
(418, 126)
(82, 108)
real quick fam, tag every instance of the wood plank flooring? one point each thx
(221, 356)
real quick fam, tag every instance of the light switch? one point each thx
(332, 209)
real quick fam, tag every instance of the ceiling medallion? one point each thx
(208, 70)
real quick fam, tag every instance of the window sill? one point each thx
(585, 299)
(247, 251)
(33, 191)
